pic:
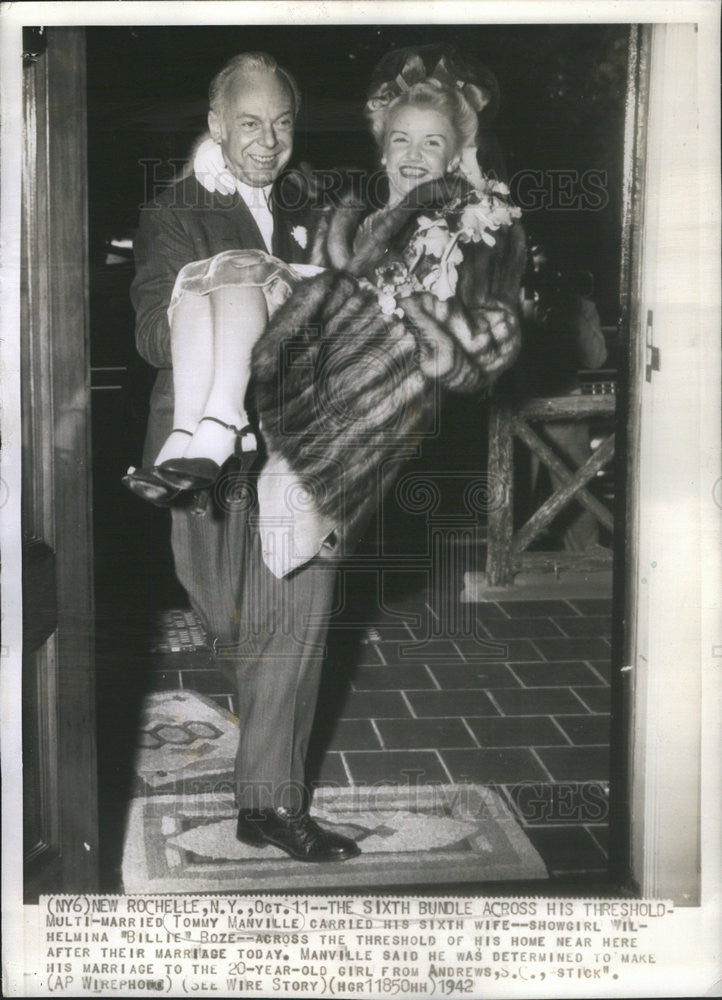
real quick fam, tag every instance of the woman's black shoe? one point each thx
(201, 473)
(190, 473)
(150, 484)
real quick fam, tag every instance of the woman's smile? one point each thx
(409, 170)
(419, 146)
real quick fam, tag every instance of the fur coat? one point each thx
(344, 392)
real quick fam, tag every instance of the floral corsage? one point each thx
(431, 258)
(300, 235)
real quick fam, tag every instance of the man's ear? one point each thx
(214, 126)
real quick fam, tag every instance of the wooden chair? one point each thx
(506, 549)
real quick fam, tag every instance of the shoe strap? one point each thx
(229, 427)
(181, 430)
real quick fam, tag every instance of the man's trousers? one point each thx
(270, 631)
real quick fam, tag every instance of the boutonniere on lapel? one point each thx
(300, 235)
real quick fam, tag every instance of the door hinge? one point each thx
(653, 356)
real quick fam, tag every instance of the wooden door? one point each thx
(59, 763)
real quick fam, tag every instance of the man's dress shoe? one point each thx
(295, 833)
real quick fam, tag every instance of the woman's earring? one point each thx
(383, 161)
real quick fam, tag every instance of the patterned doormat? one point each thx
(409, 834)
(186, 744)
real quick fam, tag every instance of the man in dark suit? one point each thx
(271, 630)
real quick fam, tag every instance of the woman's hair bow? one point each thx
(446, 72)
(413, 71)
(474, 94)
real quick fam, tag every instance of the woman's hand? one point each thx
(211, 170)
(464, 348)
(430, 317)
(495, 336)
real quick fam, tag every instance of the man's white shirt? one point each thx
(258, 200)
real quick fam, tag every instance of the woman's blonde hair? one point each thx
(429, 93)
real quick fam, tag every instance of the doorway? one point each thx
(145, 564)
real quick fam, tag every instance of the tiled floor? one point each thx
(517, 696)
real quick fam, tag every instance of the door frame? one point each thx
(56, 464)
(673, 457)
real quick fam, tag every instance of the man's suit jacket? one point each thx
(187, 223)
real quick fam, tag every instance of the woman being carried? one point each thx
(420, 292)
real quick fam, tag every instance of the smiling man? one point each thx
(269, 631)
(252, 116)
(253, 107)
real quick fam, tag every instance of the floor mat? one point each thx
(409, 834)
(186, 744)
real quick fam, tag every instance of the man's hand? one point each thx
(211, 170)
